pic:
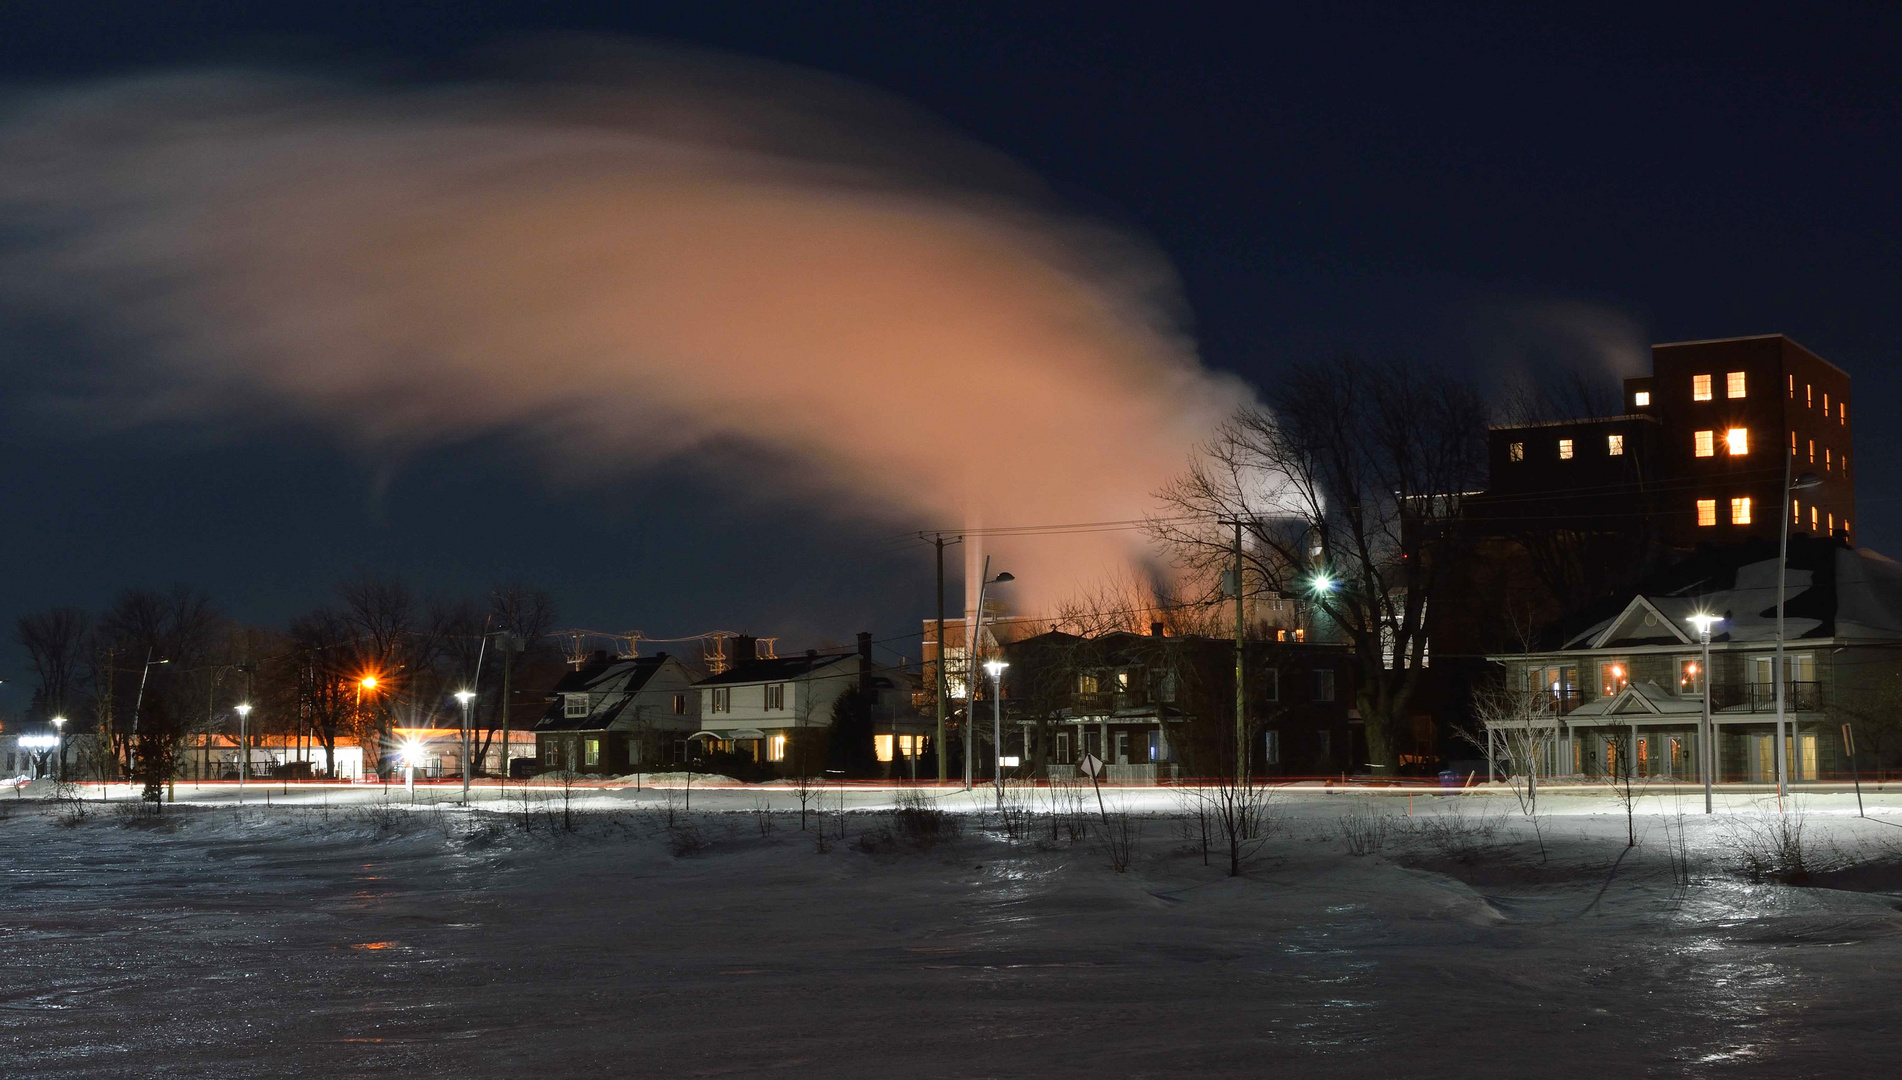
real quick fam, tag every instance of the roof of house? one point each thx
(611, 686)
(1831, 591)
(775, 669)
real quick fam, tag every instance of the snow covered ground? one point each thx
(347, 932)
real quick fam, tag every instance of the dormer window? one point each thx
(574, 706)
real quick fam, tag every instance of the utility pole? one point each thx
(508, 671)
(939, 746)
(1241, 669)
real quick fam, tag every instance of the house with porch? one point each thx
(778, 710)
(618, 715)
(1625, 694)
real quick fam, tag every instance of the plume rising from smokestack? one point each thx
(645, 254)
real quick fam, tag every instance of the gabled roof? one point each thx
(1642, 622)
(611, 687)
(777, 669)
(1641, 699)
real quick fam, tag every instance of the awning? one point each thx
(746, 733)
(707, 735)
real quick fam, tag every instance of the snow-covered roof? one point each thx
(1856, 595)
(1643, 699)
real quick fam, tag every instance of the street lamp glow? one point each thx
(995, 668)
(242, 709)
(1322, 583)
(465, 696)
(410, 752)
(368, 682)
(1706, 732)
(1704, 622)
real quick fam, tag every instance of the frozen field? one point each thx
(334, 935)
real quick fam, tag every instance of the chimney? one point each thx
(1155, 629)
(743, 651)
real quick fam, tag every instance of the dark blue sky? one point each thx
(1498, 189)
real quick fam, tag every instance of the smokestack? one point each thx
(744, 651)
(1155, 629)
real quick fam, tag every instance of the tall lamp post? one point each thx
(243, 709)
(1801, 483)
(1708, 757)
(59, 748)
(465, 696)
(996, 668)
(985, 581)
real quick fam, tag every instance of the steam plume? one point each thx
(644, 254)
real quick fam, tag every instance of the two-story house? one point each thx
(1625, 694)
(613, 716)
(779, 710)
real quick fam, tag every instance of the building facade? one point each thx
(614, 716)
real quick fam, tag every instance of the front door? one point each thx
(1122, 748)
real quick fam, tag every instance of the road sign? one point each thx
(1091, 766)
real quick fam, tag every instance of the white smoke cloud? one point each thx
(643, 254)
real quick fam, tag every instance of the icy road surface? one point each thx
(355, 941)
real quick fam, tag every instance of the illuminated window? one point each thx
(881, 747)
(1826, 464)
(1641, 399)
(1615, 445)
(1831, 519)
(1842, 412)
(1740, 511)
(594, 752)
(680, 704)
(1687, 682)
(1796, 512)
(1792, 444)
(1845, 528)
(1734, 384)
(1612, 677)
(1707, 511)
(1565, 449)
(722, 699)
(1812, 451)
(1792, 388)
(1516, 451)
(1813, 518)
(1706, 443)
(1737, 441)
(1825, 403)
(1086, 684)
(1809, 396)
(1700, 388)
(776, 748)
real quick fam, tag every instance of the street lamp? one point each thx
(985, 581)
(410, 753)
(1801, 483)
(996, 668)
(243, 709)
(1708, 758)
(465, 696)
(59, 750)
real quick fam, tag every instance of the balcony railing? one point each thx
(1108, 701)
(1762, 697)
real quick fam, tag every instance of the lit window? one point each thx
(1734, 384)
(776, 748)
(680, 704)
(1825, 403)
(881, 747)
(1832, 523)
(1796, 512)
(1826, 465)
(1687, 676)
(1845, 528)
(1792, 388)
(1700, 388)
(1737, 441)
(1615, 445)
(1612, 678)
(1809, 396)
(1706, 443)
(1842, 412)
(1792, 444)
(1641, 399)
(594, 752)
(722, 700)
(1812, 451)
(1707, 511)
(1565, 449)
(1740, 511)
(1813, 518)
(1516, 451)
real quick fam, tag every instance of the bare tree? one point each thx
(1522, 726)
(1346, 487)
(56, 642)
(383, 616)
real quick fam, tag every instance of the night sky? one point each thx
(1497, 190)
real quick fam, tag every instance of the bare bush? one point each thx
(1364, 830)
(1120, 832)
(683, 838)
(1456, 834)
(1069, 811)
(763, 815)
(1769, 846)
